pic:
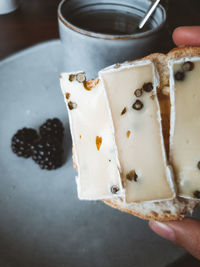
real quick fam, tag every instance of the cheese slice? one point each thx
(93, 141)
(185, 124)
(137, 130)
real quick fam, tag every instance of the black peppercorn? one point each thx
(132, 176)
(114, 189)
(137, 105)
(179, 76)
(188, 66)
(147, 87)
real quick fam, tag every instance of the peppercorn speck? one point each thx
(179, 76)
(196, 194)
(128, 133)
(123, 111)
(114, 189)
(89, 85)
(132, 176)
(72, 105)
(67, 95)
(138, 92)
(117, 66)
(198, 165)
(188, 66)
(80, 77)
(137, 105)
(72, 77)
(147, 87)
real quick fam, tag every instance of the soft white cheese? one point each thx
(93, 141)
(138, 133)
(185, 126)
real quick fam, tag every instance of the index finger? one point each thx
(187, 35)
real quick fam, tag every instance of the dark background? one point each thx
(36, 21)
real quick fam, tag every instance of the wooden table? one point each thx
(36, 21)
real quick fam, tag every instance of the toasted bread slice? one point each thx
(176, 208)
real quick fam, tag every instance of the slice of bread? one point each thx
(168, 209)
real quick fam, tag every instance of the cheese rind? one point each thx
(185, 126)
(141, 153)
(94, 148)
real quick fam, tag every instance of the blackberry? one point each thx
(52, 128)
(47, 153)
(22, 141)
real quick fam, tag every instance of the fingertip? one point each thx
(177, 35)
(187, 35)
(185, 233)
(163, 230)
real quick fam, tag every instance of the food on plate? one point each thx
(52, 128)
(45, 148)
(47, 153)
(135, 134)
(22, 141)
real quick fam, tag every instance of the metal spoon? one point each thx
(148, 14)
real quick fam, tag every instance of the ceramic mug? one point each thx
(7, 6)
(98, 33)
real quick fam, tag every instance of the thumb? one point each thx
(187, 35)
(185, 233)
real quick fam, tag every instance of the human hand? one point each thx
(188, 35)
(185, 233)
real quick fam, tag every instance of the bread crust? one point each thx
(153, 216)
(163, 216)
(183, 206)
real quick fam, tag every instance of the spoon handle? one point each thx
(148, 14)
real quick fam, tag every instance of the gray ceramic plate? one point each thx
(42, 223)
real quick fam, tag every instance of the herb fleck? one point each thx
(128, 133)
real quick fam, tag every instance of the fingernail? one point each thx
(163, 230)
